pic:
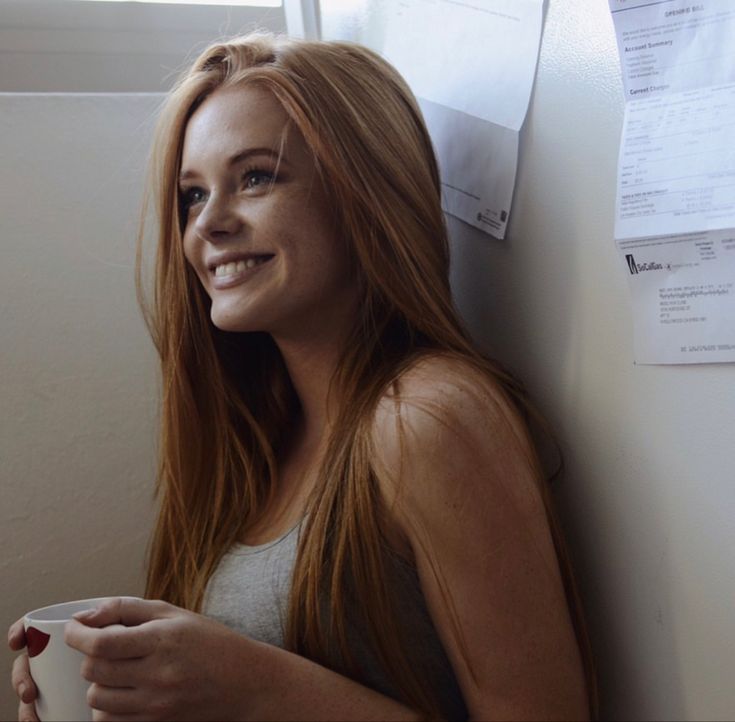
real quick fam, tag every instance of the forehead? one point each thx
(234, 119)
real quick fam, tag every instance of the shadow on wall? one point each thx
(547, 302)
(531, 325)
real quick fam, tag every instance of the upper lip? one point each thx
(231, 257)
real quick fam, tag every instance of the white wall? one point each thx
(77, 370)
(649, 496)
(77, 46)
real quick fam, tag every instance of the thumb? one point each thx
(16, 635)
(128, 611)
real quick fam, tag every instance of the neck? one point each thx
(311, 352)
(311, 357)
(311, 367)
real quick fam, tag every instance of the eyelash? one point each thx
(186, 201)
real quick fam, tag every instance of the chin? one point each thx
(231, 322)
(235, 326)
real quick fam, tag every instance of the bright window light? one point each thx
(256, 3)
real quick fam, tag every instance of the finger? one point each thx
(117, 701)
(21, 679)
(129, 673)
(27, 713)
(17, 635)
(113, 641)
(128, 611)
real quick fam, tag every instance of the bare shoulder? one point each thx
(447, 411)
(452, 450)
(446, 379)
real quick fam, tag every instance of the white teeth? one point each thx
(227, 269)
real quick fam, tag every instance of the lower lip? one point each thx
(235, 279)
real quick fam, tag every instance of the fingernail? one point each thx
(22, 689)
(85, 613)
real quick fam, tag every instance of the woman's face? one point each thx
(259, 230)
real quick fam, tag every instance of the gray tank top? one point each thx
(249, 592)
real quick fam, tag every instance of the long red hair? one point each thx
(227, 398)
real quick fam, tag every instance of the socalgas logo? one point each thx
(634, 267)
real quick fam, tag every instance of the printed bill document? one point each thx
(675, 204)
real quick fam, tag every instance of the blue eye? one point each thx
(190, 197)
(256, 178)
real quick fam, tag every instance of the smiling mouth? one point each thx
(226, 275)
(235, 267)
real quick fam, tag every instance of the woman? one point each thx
(352, 524)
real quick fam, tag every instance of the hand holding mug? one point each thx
(152, 660)
(22, 681)
(47, 677)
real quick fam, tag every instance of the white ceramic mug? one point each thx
(56, 667)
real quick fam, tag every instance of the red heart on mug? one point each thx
(36, 641)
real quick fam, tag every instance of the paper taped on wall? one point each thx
(675, 206)
(472, 65)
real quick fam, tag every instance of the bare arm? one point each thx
(157, 661)
(277, 685)
(458, 470)
(295, 688)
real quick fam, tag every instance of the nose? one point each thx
(218, 220)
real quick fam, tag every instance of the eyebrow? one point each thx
(239, 157)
